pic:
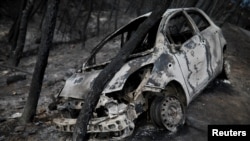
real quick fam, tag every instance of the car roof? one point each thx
(172, 11)
(167, 13)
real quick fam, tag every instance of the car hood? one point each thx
(79, 84)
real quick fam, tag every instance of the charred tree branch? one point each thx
(80, 131)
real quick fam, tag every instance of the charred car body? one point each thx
(176, 60)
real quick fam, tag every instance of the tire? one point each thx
(167, 112)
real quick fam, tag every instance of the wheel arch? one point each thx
(126, 78)
(136, 74)
(174, 87)
(225, 71)
(224, 49)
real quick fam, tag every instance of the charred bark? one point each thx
(117, 3)
(218, 11)
(206, 5)
(138, 7)
(15, 78)
(80, 130)
(17, 53)
(14, 30)
(190, 3)
(85, 25)
(98, 18)
(42, 59)
(131, 2)
(77, 15)
(214, 4)
(231, 11)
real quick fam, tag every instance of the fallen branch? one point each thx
(15, 68)
(15, 78)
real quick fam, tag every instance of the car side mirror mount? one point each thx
(175, 47)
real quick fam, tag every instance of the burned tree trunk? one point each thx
(79, 11)
(14, 30)
(17, 53)
(98, 18)
(42, 59)
(231, 11)
(85, 25)
(117, 3)
(139, 7)
(80, 130)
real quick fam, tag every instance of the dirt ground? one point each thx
(219, 103)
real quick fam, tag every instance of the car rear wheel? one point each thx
(167, 112)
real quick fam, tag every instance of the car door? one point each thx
(189, 49)
(210, 34)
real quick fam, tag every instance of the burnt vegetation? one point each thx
(34, 28)
(79, 20)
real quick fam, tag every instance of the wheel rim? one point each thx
(171, 113)
(167, 112)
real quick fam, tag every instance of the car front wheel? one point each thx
(168, 112)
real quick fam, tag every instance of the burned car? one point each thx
(177, 59)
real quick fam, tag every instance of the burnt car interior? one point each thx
(98, 60)
(178, 29)
(199, 20)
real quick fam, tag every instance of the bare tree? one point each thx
(190, 3)
(14, 30)
(73, 24)
(17, 53)
(138, 7)
(235, 7)
(131, 2)
(109, 71)
(85, 25)
(214, 4)
(98, 18)
(218, 11)
(42, 59)
(206, 5)
(117, 3)
(17, 33)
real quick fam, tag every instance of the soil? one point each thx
(222, 102)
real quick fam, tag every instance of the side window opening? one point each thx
(178, 29)
(106, 50)
(200, 21)
(110, 49)
(149, 40)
